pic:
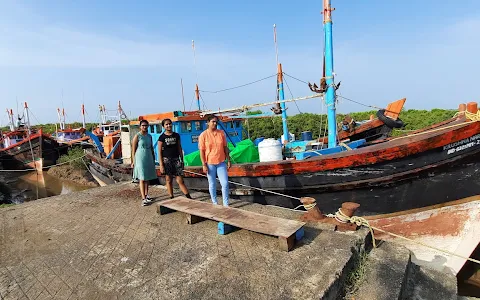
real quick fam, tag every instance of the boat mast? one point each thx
(11, 119)
(28, 118)
(63, 119)
(281, 95)
(197, 96)
(119, 115)
(197, 91)
(83, 117)
(329, 75)
(59, 118)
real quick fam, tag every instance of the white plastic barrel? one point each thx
(270, 150)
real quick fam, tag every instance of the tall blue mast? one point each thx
(281, 93)
(330, 93)
(197, 96)
(281, 97)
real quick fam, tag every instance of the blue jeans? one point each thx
(219, 170)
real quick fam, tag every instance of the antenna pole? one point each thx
(183, 97)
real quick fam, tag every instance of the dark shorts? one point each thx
(173, 166)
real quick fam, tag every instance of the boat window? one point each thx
(158, 128)
(237, 124)
(186, 127)
(198, 126)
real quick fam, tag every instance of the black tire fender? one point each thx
(398, 123)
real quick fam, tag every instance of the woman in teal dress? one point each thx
(143, 161)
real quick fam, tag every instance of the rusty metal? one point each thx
(348, 209)
(313, 214)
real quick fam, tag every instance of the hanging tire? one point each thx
(388, 121)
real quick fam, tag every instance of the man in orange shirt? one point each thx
(213, 153)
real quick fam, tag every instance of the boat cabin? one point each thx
(68, 135)
(189, 125)
(109, 128)
(11, 138)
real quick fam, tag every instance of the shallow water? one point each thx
(20, 187)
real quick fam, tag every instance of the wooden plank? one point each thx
(236, 217)
(193, 219)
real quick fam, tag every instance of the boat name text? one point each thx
(463, 144)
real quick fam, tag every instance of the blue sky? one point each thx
(100, 52)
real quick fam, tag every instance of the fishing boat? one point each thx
(27, 148)
(71, 136)
(112, 163)
(432, 166)
(189, 124)
(453, 226)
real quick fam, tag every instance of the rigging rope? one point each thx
(294, 78)
(236, 87)
(366, 105)
(285, 79)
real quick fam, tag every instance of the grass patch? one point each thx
(73, 156)
(356, 275)
(6, 205)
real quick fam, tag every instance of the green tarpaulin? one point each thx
(244, 152)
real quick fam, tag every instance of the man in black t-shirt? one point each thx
(171, 158)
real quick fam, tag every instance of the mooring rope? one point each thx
(252, 187)
(56, 165)
(472, 116)
(359, 221)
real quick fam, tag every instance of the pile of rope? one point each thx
(472, 116)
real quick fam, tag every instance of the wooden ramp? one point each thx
(287, 231)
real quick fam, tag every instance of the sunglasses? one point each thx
(166, 124)
(144, 125)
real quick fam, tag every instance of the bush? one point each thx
(317, 124)
(73, 155)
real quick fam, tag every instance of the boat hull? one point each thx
(377, 195)
(415, 171)
(453, 226)
(37, 152)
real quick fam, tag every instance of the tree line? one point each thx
(316, 123)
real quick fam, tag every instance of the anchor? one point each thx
(323, 86)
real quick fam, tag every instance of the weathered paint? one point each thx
(391, 150)
(453, 226)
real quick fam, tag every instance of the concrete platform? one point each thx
(102, 244)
